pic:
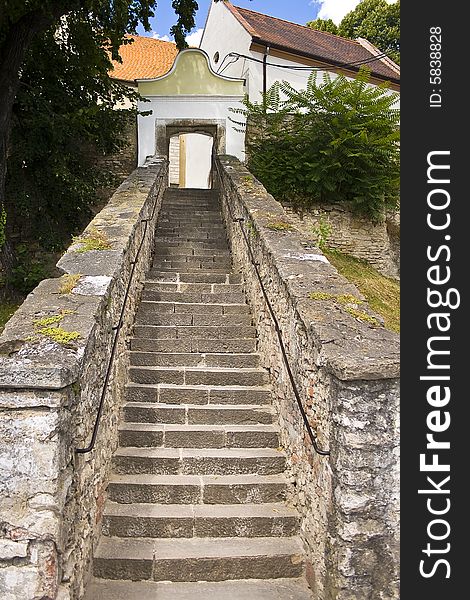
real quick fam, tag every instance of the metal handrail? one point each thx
(117, 328)
(277, 328)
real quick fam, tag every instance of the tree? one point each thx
(378, 22)
(23, 21)
(375, 20)
(324, 25)
(336, 141)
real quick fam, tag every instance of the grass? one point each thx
(92, 240)
(382, 293)
(6, 310)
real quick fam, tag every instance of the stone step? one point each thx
(145, 316)
(199, 520)
(193, 288)
(153, 274)
(172, 227)
(198, 394)
(195, 489)
(193, 345)
(192, 297)
(195, 308)
(207, 244)
(192, 236)
(198, 375)
(181, 277)
(181, 244)
(183, 253)
(198, 461)
(176, 268)
(192, 414)
(166, 359)
(198, 559)
(148, 435)
(206, 264)
(169, 220)
(254, 589)
(204, 332)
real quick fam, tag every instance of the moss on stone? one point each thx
(49, 327)
(362, 316)
(59, 335)
(93, 240)
(279, 226)
(47, 321)
(349, 303)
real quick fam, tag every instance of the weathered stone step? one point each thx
(198, 461)
(198, 559)
(163, 265)
(206, 287)
(257, 589)
(183, 253)
(196, 308)
(145, 316)
(192, 414)
(168, 220)
(206, 332)
(172, 227)
(185, 243)
(195, 489)
(198, 394)
(202, 375)
(148, 435)
(205, 264)
(181, 277)
(188, 269)
(193, 345)
(192, 236)
(166, 359)
(199, 520)
(194, 359)
(205, 245)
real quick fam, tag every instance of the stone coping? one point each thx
(29, 359)
(350, 348)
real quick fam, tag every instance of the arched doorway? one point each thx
(190, 157)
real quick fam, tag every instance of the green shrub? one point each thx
(335, 141)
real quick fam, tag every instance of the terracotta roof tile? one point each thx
(144, 58)
(308, 42)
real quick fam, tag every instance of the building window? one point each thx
(216, 57)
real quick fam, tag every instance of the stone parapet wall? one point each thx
(346, 368)
(377, 243)
(51, 498)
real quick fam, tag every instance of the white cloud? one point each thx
(163, 38)
(194, 39)
(337, 9)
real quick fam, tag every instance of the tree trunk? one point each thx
(12, 53)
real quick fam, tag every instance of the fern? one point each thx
(335, 141)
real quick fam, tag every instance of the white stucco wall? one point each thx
(188, 107)
(224, 34)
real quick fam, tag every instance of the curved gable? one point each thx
(191, 75)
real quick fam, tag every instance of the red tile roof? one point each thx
(310, 43)
(144, 58)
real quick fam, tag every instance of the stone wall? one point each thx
(54, 354)
(378, 243)
(346, 367)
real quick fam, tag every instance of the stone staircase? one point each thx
(195, 504)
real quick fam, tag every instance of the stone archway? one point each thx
(167, 128)
(190, 156)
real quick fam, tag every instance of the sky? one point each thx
(297, 11)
